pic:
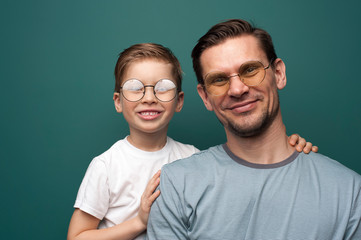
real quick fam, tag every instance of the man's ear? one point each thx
(280, 73)
(180, 102)
(117, 104)
(204, 95)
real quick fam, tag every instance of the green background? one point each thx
(57, 60)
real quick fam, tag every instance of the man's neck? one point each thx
(269, 147)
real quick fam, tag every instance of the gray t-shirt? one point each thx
(216, 195)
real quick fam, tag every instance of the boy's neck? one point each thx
(150, 142)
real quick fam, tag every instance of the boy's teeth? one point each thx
(148, 113)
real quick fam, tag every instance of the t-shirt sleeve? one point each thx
(93, 194)
(353, 230)
(167, 219)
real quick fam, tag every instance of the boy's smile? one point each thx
(148, 115)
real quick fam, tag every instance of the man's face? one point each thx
(244, 111)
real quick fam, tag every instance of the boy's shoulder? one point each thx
(114, 149)
(183, 147)
(122, 149)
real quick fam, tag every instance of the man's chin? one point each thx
(252, 127)
(246, 132)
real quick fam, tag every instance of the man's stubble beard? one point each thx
(257, 128)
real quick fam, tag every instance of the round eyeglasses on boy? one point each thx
(164, 90)
(251, 73)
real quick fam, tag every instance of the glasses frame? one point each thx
(152, 86)
(238, 74)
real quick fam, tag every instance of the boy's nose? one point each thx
(149, 95)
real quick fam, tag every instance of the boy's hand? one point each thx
(301, 145)
(148, 197)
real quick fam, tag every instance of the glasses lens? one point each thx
(217, 83)
(252, 73)
(165, 90)
(133, 90)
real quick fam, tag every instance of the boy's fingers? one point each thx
(153, 197)
(307, 148)
(293, 139)
(301, 144)
(314, 149)
(302, 141)
(152, 185)
(149, 201)
(156, 175)
(154, 179)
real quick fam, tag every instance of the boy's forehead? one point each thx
(148, 68)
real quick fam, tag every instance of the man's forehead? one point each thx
(234, 50)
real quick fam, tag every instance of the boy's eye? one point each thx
(164, 85)
(133, 85)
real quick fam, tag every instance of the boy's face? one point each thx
(148, 115)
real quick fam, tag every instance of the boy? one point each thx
(110, 203)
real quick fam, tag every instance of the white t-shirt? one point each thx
(114, 181)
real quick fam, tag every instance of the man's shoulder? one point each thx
(328, 166)
(184, 172)
(195, 161)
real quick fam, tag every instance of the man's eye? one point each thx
(219, 80)
(251, 69)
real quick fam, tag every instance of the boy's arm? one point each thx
(84, 226)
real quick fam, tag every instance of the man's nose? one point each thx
(236, 86)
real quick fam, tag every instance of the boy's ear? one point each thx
(117, 104)
(180, 102)
(203, 94)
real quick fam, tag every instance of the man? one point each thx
(255, 186)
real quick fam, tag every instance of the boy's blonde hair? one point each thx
(146, 51)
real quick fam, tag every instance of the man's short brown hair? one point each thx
(226, 30)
